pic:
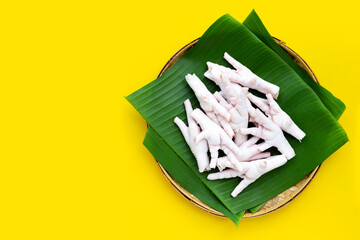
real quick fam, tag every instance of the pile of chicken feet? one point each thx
(223, 124)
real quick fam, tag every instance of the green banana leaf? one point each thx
(184, 175)
(161, 100)
(255, 25)
(255, 209)
(333, 104)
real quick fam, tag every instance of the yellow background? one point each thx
(72, 161)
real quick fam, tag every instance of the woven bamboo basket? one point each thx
(273, 204)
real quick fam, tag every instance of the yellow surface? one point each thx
(72, 161)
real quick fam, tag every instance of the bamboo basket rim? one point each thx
(288, 195)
